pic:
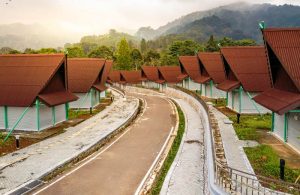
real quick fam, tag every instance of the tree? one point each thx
(212, 45)
(143, 46)
(136, 57)
(74, 52)
(123, 58)
(152, 57)
(14, 52)
(47, 51)
(5, 50)
(88, 47)
(30, 51)
(167, 59)
(101, 52)
(187, 47)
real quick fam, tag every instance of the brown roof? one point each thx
(249, 66)
(190, 66)
(282, 45)
(169, 74)
(228, 85)
(23, 78)
(213, 63)
(104, 75)
(285, 43)
(114, 76)
(131, 77)
(278, 100)
(83, 73)
(149, 73)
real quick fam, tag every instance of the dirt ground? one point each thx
(29, 138)
(291, 157)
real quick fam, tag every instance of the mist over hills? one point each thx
(237, 21)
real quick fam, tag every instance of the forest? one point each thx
(130, 53)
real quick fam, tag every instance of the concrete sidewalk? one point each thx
(234, 152)
(30, 164)
(187, 174)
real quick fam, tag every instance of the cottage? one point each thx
(168, 75)
(103, 83)
(190, 72)
(247, 75)
(130, 77)
(212, 65)
(283, 51)
(149, 76)
(114, 78)
(85, 81)
(34, 91)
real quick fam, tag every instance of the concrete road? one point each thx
(121, 166)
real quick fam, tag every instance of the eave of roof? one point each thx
(278, 101)
(249, 65)
(229, 85)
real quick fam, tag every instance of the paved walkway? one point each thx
(186, 175)
(29, 164)
(122, 165)
(234, 152)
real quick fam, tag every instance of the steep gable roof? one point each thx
(213, 63)
(131, 77)
(249, 67)
(285, 43)
(283, 49)
(23, 78)
(83, 73)
(114, 76)
(104, 76)
(150, 73)
(169, 74)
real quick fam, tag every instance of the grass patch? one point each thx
(246, 130)
(171, 155)
(221, 102)
(265, 161)
(74, 113)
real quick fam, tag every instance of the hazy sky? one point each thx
(97, 16)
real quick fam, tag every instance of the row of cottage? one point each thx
(36, 91)
(253, 79)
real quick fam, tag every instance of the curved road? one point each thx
(120, 167)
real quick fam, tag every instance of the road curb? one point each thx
(60, 167)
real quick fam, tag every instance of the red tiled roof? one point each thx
(131, 77)
(114, 76)
(23, 78)
(189, 67)
(285, 43)
(228, 85)
(213, 63)
(249, 65)
(83, 73)
(169, 73)
(278, 100)
(151, 73)
(104, 75)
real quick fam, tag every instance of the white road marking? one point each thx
(153, 164)
(89, 160)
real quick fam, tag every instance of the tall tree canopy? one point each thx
(101, 52)
(123, 57)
